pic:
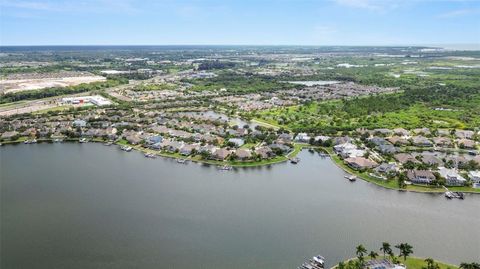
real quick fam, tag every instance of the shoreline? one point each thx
(298, 147)
(412, 259)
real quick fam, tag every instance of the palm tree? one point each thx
(373, 255)
(391, 255)
(405, 250)
(385, 248)
(361, 250)
(431, 264)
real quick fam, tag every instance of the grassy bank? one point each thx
(413, 263)
(393, 184)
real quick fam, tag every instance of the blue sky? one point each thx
(261, 22)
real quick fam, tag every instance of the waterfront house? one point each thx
(279, 148)
(321, 138)
(171, 145)
(243, 154)
(360, 163)
(452, 177)
(348, 150)
(344, 147)
(420, 176)
(302, 138)
(208, 148)
(474, 176)
(187, 149)
(9, 135)
(221, 154)
(264, 152)
(285, 138)
(341, 140)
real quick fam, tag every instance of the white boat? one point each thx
(150, 155)
(351, 177)
(295, 160)
(183, 161)
(451, 195)
(319, 260)
(126, 148)
(33, 141)
(226, 167)
(109, 143)
(83, 140)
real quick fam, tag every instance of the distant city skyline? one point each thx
(262, 22)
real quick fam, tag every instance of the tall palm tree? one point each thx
(361, 250)
(373, 255)
(385, 248)
(405, 250)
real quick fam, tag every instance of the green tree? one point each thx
(405, 250)
(473, 265)
(373, 255)
(361, 251)
(385, 248)
(431, 264)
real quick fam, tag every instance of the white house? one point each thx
(474, 176)
(452, 177)
(302, 137)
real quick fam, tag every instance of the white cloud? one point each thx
(88, 6)
(458, 13)
(375, 5)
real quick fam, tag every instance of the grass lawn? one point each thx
(414, 263)
(419, 263)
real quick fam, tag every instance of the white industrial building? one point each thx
(95, 99)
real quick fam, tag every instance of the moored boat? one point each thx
(226, 167)
(295, 160)
(126, 148)
(317, 262)
(150, 155)
(183, 161)
(352, 178)
(451, 195)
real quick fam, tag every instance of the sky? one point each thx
(241, 22)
